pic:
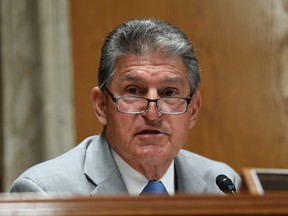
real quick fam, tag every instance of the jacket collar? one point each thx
(100, 168)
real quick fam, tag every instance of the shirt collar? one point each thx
(135, 181)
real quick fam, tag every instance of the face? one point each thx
(149, 138)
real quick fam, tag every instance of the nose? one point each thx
(152, 112)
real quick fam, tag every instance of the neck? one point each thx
(152, 172)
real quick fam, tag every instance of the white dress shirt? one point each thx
(135, 181)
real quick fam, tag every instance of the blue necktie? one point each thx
(154, 187)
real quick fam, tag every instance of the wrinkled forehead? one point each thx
(155, 61)
(165, 79)
(136, 68)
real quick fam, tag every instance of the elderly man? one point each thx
(146, 100)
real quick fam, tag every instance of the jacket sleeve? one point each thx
(26, 185)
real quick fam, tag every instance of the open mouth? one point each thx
(149, 132)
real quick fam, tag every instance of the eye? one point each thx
(133, 91)
(169, 93)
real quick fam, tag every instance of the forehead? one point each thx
(151, 67)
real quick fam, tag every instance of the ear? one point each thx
(195, 108)
(99, 104)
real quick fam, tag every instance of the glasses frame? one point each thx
(116, 99)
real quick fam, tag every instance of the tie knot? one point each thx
(154, 187)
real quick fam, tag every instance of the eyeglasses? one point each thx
(136, 105)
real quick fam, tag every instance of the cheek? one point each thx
(119, 126)
(181, 130)
(180, 135)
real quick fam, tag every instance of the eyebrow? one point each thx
(133, 77)
(129, 77)
(175, 79)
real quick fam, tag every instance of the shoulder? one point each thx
(52, 174)
(199, 161)
(71, 159)
(190, 164)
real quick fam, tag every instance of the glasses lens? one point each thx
(172, 105)
(135, 105)
(131, 105)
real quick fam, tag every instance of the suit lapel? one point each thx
(112, 185)
(188, 178)
(100, 168)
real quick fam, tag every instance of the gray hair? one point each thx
(144, 37)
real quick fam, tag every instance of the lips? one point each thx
(149, 132)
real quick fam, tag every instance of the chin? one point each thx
(154, 155)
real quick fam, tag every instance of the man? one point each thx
(147, 101)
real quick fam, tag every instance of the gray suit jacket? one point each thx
(90, 169)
